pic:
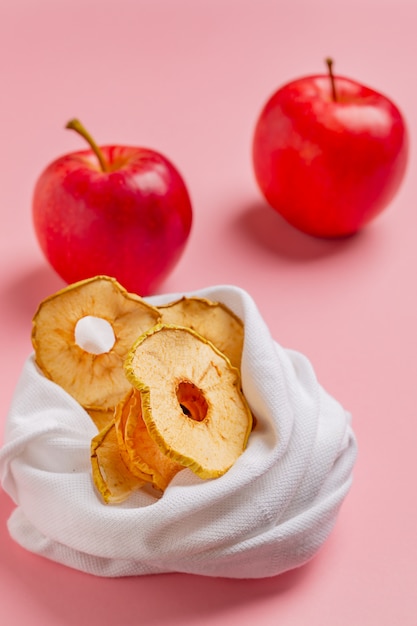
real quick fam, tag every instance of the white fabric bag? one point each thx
(269, 513)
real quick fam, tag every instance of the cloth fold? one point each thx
(269, 513)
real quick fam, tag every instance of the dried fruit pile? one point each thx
(162, 384)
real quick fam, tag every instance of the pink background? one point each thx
(188, 78)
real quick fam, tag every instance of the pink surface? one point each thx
(188, 78)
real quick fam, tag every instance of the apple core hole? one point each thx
(192, 401)
(94, 334)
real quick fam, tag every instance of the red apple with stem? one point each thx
(116, 210)
(329, 154)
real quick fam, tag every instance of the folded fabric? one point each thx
(269, 513)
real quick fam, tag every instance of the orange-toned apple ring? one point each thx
(191, 396)
(96, 380)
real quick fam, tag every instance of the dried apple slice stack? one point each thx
(165, 395)
(191, 398)
(95, 379)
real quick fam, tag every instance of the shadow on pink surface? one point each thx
(26, 291)
(67, 596)
(266, 228)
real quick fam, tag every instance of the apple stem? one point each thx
(332, 80)
(76, 125)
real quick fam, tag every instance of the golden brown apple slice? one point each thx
(94, 378)
(191, 397)
(112, 478)
(141, 454)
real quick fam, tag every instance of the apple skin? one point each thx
(329, 167)
(131, 222)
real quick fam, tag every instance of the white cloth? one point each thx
(269, 513)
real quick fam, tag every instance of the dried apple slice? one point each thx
(212, 320)
(95, 378)
(121, 414)
(141, 454)
(112, 478)
(192, 403)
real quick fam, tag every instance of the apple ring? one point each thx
(95, 378)
(192, 403)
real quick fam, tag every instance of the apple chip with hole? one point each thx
(90, 370)
(212, 320)
(191, 399)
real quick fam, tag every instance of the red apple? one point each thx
(329, 153)
(115, 210)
